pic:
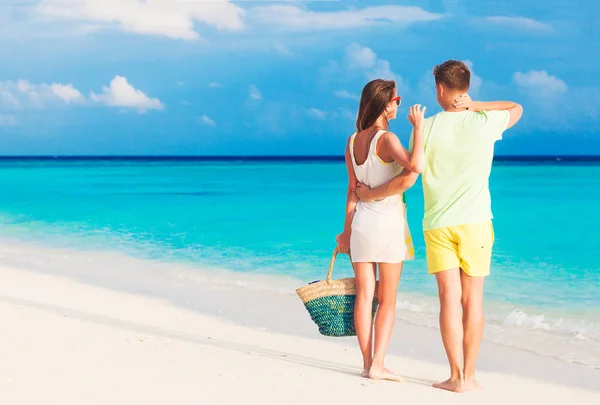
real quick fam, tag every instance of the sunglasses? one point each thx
(397, 99)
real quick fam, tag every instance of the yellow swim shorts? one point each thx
(466, 246)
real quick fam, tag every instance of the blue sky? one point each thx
(260, 77)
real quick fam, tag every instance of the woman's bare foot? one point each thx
(384, 374)
(454, 385)
(366, 367)
(471, 384)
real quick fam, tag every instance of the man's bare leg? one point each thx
(472, 305)
(450, 291)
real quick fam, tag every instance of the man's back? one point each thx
(459, 149)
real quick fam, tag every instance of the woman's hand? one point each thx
(416, 115)
(343, 241)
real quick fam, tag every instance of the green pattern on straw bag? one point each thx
(330, 303)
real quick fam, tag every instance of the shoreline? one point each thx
(269, 311)
(414, 310)
(77, 342)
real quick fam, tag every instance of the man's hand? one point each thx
(364, 192)
(343, 241)
(464, 101)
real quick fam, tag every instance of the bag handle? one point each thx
(333, 257)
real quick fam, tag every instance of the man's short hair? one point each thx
(453, 74)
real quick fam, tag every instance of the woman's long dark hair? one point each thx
(375, 97)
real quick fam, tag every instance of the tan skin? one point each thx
(461, 296)
(374, 343)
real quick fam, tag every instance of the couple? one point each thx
(454, 150)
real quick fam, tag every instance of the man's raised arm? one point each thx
(515, 110)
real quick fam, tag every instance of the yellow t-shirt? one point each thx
(459, 149)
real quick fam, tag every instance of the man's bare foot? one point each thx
(451, 385)
(471, 384)
(384, 374)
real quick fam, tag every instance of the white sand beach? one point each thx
(69, 339)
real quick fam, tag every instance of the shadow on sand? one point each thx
(197, 339)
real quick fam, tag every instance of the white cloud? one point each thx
(255, 93)
(317, 114)
(358, 63)
(346, 94)
(208, 121)
(8, 121)
(540, 85)
(32, 91)
(7, 99)
(67, 93)
(25, 94)
(173, 19)
(284, 50)
(215, 85)
(120, 93)
(382, 69)
(363, 58)
(521, 22)
(296, 18)
(23, 86)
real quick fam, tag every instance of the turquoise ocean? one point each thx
(277, 220)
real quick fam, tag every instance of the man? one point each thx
(459, 149)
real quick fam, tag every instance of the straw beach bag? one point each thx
(330, 303)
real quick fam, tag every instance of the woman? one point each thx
(376, 233)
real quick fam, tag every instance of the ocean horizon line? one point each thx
(274, 158)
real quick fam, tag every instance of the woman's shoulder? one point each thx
(388, 136)
(350, 139)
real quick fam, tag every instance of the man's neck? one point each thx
(452, 109)
(449, 103)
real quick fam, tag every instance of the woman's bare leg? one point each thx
(365, 289)
(389, 277)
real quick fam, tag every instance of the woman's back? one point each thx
(379, 229)
(373, 171)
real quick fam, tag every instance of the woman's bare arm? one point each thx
(343, 239)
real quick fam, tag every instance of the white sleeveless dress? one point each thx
(380, 231)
